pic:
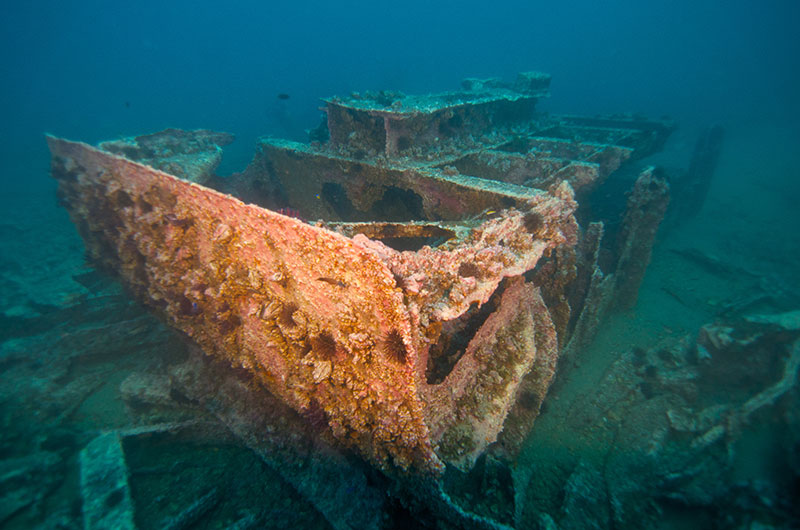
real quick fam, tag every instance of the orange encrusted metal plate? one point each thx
(331, 324)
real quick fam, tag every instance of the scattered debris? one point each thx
(647, 205)
(106, 496)
(691, 188)
(191, 156)
(194, 512)
(27, 480)
(712, 264)
(658, 437)
(336, 486)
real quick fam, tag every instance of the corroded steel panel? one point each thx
(421, 315)
(327, 321)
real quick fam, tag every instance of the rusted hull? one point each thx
(423, 318)
(328, 322)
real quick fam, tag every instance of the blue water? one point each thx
(95, 70)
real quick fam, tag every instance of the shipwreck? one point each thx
(407, 280)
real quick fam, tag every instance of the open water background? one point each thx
(95, 70)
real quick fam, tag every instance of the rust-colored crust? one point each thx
(326, 321)
(298, 305)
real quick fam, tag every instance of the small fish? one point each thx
(283, 96)
(486, 214)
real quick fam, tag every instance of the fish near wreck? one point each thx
(329, 321)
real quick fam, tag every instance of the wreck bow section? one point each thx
(423, 315)
(327, 322)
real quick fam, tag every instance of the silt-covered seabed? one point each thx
(682, 410)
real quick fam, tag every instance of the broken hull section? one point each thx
(330, 323)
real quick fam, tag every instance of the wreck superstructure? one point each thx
(421, 296)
